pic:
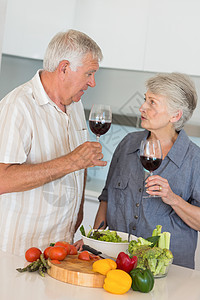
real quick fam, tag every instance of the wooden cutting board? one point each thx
(76, 271)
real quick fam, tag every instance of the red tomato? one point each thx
(58, 253)
(55, 261)
(63, 244)
(73, 250)
(94, 257)
(46, 252)
(84, 255)
(32, 254)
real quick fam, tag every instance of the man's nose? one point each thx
(91, 81)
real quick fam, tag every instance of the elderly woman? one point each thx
(169, 102)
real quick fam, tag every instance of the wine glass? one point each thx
(100, 119)
(150, 156)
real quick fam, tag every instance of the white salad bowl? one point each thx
(109, 248)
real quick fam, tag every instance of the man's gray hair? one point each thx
(72, 45)
(180, 92)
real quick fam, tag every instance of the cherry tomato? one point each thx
(84, 255)
(46, 252)
(63, 244)
(73, 250)
(32, 254)
(58, 253)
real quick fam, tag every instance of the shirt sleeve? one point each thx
(15, 134)
(195, 198)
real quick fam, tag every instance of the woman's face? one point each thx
(154, 112)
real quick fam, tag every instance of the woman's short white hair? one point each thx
(72, 45)
(180, 93)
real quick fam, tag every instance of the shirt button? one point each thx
(137, 204)
(140, 189)
(118, 183)
(136, 217)
(134, 227)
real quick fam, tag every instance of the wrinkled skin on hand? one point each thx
(88, 154)
(157, 185)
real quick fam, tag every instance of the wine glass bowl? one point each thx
(150, 155)
(100, 119)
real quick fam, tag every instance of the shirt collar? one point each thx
(135, 143)
(176, 153)
(39, 93)
(41, 96)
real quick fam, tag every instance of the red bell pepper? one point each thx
(125, 263)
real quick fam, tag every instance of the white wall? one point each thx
(145, 35)
(31, 24)
(3, 4)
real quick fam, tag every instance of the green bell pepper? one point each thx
(142, 280)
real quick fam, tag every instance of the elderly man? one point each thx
(44, 151)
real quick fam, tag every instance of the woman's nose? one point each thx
(142, 107)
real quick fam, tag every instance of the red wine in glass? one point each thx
(150, 156)
(99, 128)
(150, 163)
(100, 119)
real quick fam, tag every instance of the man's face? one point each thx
(76, 82)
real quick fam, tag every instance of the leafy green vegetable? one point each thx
(107, 236)
(82, 230)
(153, 240)
(90, 232)
(156, 259)
(142, 241)
(153, 252)
(164, 237)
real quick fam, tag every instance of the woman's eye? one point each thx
(152, 102)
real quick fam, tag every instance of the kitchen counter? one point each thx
(180, 283)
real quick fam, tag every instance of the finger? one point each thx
(93, 144)
(100, 163)
(99, 156)
(156, 178)
(154, 188)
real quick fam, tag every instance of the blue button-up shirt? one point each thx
(124, 190)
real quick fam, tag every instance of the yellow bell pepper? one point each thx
(117, 282)
(102, 266)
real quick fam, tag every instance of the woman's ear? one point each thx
(176, 116)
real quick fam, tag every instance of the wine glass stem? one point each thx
(98, 138)
(150, 173)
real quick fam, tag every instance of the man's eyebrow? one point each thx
(91, 71)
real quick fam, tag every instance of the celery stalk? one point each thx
(154, 233)
(167, 236)
(161, 241)
(164, 240)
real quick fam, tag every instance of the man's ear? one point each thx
(176, 116)
(62, 67)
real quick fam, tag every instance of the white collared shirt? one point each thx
(33, 130)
